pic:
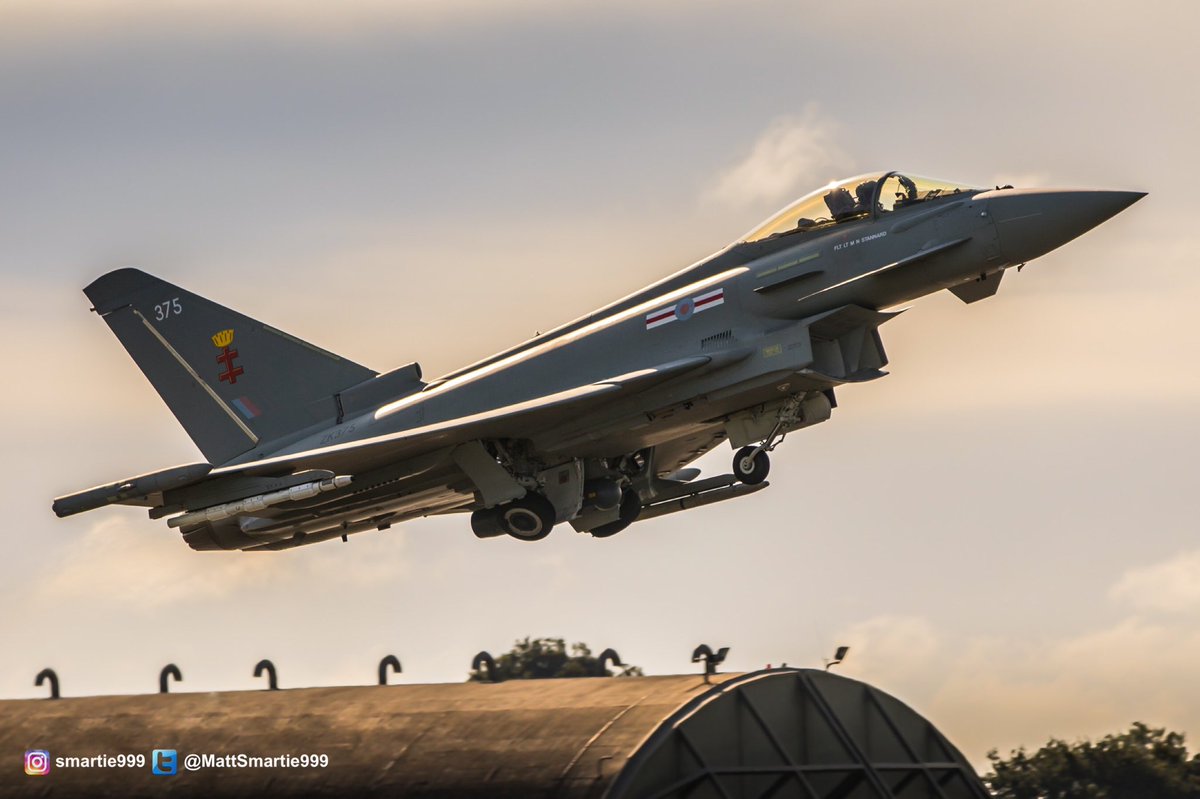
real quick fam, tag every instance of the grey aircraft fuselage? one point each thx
(589, 420)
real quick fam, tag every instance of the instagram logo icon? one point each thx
(37, 762)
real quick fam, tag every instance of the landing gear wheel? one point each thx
(528, 519)
(631, 508)
(751, 469)
(485, 523)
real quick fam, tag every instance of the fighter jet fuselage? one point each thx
(593, 423)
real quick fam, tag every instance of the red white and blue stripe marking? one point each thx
(247, 407)
(685, 308)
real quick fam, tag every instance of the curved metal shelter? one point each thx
(774, 733)
(796, 733)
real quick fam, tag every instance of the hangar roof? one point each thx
(781, 732)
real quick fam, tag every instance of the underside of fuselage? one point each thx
(636, 451)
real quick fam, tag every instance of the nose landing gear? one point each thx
(751, 464)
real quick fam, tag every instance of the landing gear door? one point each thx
(563, 486)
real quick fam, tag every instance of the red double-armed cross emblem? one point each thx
(230, 375)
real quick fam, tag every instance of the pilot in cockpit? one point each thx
(843, 205)
(864, 192)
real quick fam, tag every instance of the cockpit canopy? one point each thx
(861, 197)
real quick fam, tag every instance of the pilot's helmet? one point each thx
(864, 192)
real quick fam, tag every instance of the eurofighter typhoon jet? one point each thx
(594, 423)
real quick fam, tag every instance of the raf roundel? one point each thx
(685, 308)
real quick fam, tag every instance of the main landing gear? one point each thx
(527, 519)
(631, 508)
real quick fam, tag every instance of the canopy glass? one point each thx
(854, 198)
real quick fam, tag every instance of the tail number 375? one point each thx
(165, 310)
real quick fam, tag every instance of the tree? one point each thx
(542, 658)
(1138, 764)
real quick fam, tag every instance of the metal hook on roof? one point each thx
(609, 656)
(838, 656)
(169, 670)
(711, 659)
(48, 674)
(269, 667)
(390, 660)
(489, 662)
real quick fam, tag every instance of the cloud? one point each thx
(317, 21)
(278, 14)
(139, 565)
(894, 650)
(116, 560)
(1172, 586)
(1006, 692)
(989, 690)
(794, 154)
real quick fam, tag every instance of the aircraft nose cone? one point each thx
(1032, 222)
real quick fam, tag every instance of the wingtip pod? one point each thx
(133, 487)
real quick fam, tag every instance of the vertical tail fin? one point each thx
(231, 381)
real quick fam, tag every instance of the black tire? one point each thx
(486, 523)
(751, 471)
(527, 519)
(631, 508)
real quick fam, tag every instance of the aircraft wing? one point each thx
(507, 421)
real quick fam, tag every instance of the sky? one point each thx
(1003, 530)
